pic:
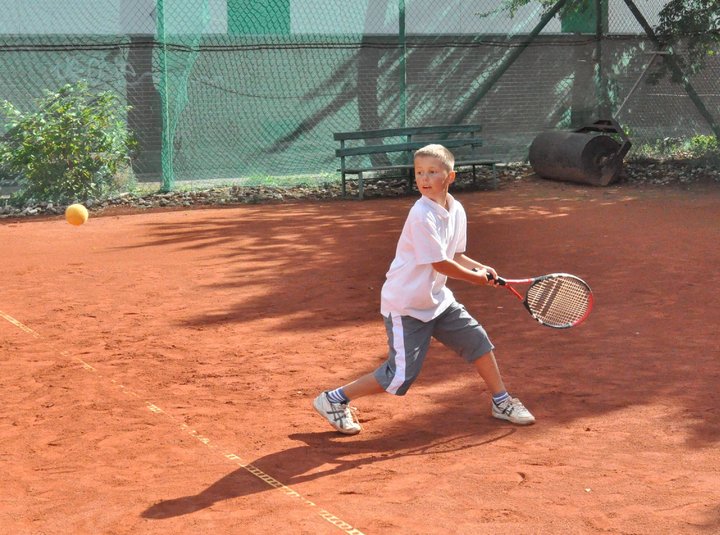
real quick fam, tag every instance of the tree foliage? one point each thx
(695, 24)
(690, 25)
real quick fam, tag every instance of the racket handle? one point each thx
(500, 280)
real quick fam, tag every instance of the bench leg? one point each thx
(360, 186)
(342, 187)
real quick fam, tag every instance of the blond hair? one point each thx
(439, 152)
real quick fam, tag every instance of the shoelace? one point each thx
(342, 411)
(351, 412)
(511, 405)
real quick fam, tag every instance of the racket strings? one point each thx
(559, 301)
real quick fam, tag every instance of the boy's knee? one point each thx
(480, 355)
(392, 384)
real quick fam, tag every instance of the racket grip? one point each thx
(500, 280)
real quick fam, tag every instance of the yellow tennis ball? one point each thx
(76, 214)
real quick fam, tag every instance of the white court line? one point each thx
(232, 457)
(19, 325)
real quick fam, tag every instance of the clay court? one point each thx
(158, 371)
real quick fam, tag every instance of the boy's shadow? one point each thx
(296, 465)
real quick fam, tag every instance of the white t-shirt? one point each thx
(431, 234)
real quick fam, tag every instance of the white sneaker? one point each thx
(513, 411)
(340, 416)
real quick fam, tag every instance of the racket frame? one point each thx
(507, 283)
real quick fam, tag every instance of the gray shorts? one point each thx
(409, 340)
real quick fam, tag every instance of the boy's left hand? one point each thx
(492, 276)
(489, 274)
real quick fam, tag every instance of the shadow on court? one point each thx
(300, 464)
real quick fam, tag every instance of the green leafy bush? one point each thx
(72, 148)
(704, 146)
(698, 150)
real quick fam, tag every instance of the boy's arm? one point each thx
(471, 264)
(464, 268)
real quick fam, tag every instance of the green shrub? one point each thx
(72, 148)
(704, 146)
(700, 149)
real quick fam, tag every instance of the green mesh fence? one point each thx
(241, 90)
(180, 27)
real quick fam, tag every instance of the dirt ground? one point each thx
(157, 371)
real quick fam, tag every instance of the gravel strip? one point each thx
(635, 174)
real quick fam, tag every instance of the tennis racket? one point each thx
(558, 300)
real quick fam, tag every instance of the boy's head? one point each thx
(434, 172)
(440, 153)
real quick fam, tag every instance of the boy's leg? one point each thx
(487, 367)
(504, 407)
(458, 330)
(364, 386)
(408, 342)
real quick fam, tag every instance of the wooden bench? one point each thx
(413, 138)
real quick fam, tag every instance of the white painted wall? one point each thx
(334, 17)
(107, 17)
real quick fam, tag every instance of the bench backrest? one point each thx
(410, 131)
(439, 133)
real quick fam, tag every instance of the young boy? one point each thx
(416, 305)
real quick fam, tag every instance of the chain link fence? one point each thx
(242, 90)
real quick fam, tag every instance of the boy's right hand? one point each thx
(488, 274)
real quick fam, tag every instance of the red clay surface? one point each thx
(157, 372)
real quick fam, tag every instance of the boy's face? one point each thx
(432, 178)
